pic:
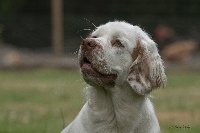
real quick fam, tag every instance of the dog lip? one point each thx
(88, 71)
(87, 68)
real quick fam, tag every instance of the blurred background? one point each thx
(55, 27)
(40, 86)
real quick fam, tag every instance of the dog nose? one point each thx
(89, 43)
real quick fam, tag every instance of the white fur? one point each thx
(125, 107)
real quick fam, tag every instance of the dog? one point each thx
(121, 65)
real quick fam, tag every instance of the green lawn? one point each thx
(35, 101)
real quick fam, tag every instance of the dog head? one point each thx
(117, 53)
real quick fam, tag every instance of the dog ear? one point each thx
(147, 71)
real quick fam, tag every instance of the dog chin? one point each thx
(95, 78)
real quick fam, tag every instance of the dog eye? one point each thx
(117, 43)
(94, 36)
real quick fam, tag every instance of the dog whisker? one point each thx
(90, 22)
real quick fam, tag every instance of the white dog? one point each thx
(122, 66)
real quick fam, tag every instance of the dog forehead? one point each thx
(117, 28)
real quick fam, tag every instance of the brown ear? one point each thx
(147, 71)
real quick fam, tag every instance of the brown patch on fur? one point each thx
(145, 68)
(117, 43)
(135, 52)
(141, 69)
(141, 66)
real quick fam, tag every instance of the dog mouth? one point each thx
(91, 73)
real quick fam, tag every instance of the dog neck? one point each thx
(115, 108)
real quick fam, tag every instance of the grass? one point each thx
(178, 105)
(33, 101)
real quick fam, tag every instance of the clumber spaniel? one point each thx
(121, 66)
